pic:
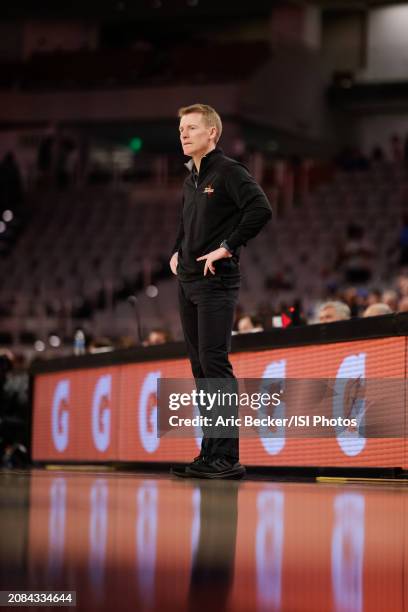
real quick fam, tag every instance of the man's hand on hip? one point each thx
(174, 262)
(220, 253)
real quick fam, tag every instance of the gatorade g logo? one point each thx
(101, 413)
(148, 413)
(60, 415)
(277, 371)
(352, 367)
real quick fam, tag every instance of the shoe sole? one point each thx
(180, 473)
(236, 474)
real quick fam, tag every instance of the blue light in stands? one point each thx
(8, 216)
(39, 346)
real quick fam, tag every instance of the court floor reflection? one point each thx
(135, 542)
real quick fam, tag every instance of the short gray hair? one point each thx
(342, 309)
(377, 309)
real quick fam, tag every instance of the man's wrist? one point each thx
(224, 245)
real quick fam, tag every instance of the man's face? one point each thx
(328, 315)
(195, 136)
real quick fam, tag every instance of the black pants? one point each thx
(207, 310)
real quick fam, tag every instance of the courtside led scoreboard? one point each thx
(108, 413)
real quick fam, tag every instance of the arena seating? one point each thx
(143, 65)
(83, 253)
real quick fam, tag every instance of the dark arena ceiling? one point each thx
(151, 10)
(132, 9)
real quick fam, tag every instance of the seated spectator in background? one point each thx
(390, 297)
(402, 285)
(355, 298)
(376, 310)
(14, 410)
(356, 256)
(374, 297)
(333, 311)
(264, 314)
(249, 324)
(126, 342)
(157, 336)
(403, 304)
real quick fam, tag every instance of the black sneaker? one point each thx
(182, 470)
(218, 467)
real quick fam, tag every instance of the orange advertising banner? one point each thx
(109, 413)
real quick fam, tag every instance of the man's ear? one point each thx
(213, 132)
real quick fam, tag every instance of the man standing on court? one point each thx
(223, 208)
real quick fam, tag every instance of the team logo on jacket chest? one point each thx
(209, 190)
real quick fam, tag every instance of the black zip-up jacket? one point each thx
(221, 202)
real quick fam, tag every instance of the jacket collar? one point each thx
(205, 160)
